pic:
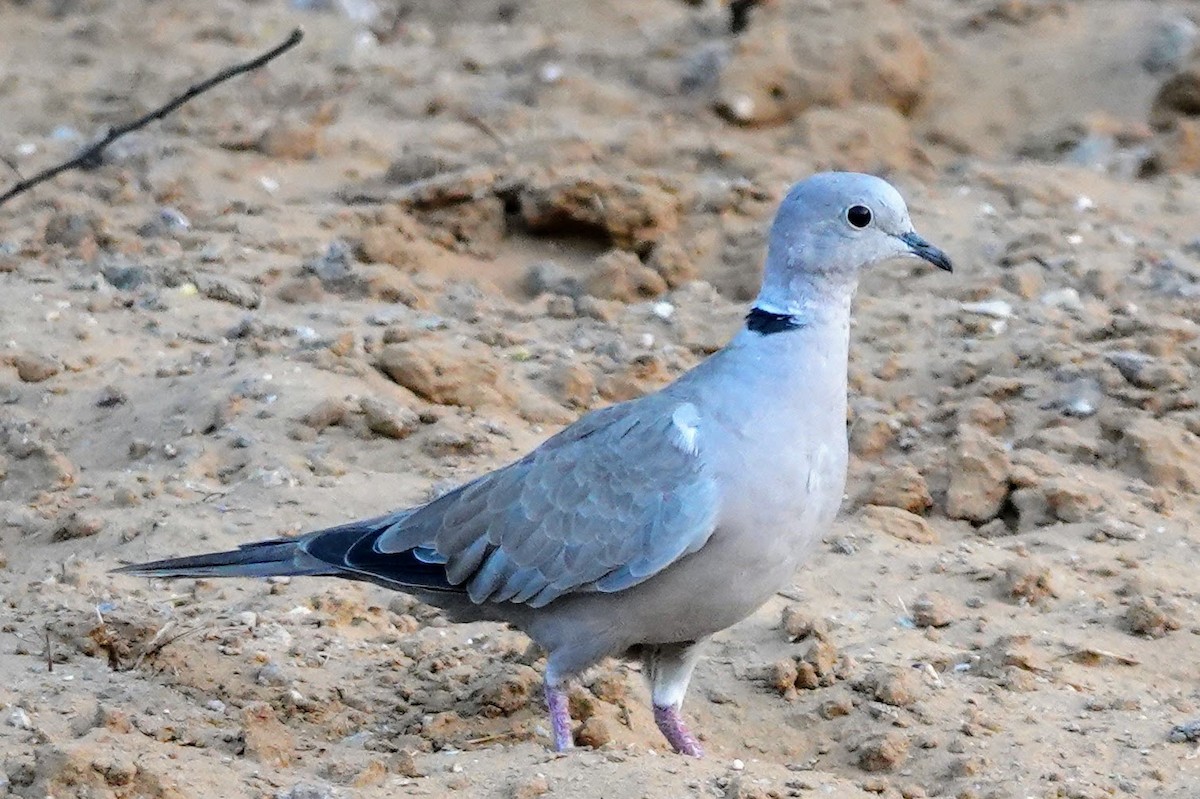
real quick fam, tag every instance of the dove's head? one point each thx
(828, 229)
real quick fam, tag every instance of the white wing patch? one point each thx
(685, 428)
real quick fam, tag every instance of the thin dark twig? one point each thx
(93, 154)
(482, 125)
(49, 651)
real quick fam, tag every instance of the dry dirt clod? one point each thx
(1028, 581)
(978, 477)
(326, 413)
(33, 368)
(387, 420)
(985, 414)
(1149, 618)
(549, 277)
(291, 139)
(798, 625)
(571, 383)
(227, 289)
(836, 708)
(79, 231)
(609, 687)
(620, 275)
(77, 525)
(1072, 501)
(404, 763)
(892, 686)
(899, 523)
(530, 787)
(884, 752)
(632, 212)
(508, 693)
(903, 488)
(445, 372)
(1162, 453)
(819, 665)
(593, 732)
(933, 610)
(264, 736)
(782, 677)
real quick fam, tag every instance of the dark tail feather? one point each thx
(275, 558)
(346, 551)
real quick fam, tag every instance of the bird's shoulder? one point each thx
(662, 417)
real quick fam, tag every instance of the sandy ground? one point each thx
(436, 232)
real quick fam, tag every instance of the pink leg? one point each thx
(560, 718)
(671, 723)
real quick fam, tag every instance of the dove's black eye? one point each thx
(859, 216)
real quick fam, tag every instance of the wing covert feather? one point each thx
(602, 506)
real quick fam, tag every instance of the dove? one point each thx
(648, 526)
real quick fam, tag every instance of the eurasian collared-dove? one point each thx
(647, 526)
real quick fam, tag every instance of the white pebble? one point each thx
(663, 310)
(742, 108)
(1067, 298)
(997, 309)
(174, 219)
(738, 765)
(248, 618)
(20, 719)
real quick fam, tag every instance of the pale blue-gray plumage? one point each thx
(648, 526)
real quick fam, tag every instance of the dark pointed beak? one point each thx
(925, 250)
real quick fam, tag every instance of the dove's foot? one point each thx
(670, 722)
(560, 718)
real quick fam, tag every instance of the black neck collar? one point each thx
(766, 323)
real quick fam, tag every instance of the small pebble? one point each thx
(997, 309)
(20, 719)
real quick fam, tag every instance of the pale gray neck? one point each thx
(792, 374)
(807, 296)
(809, 360)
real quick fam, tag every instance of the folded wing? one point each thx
(602, 506)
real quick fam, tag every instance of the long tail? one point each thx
(346, 551)
(276, 558)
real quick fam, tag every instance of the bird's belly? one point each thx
(762, 538)
(771, 515)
